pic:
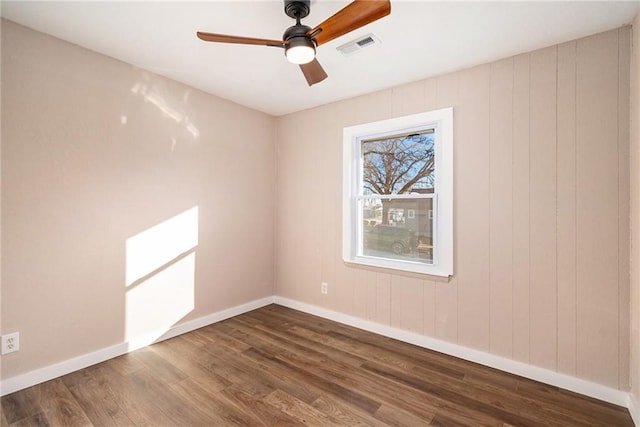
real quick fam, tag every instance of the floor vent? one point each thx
(358, 44)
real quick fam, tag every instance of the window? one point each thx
(398, 193)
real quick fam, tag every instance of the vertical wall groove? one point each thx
(575, 204)
(557, 216)
(529, 206)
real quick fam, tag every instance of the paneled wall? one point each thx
(541, 210)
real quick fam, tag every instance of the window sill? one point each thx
(401, 266)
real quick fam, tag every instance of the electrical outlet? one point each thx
(324, 288)
(10, 343)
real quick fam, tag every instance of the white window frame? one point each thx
(440, 120)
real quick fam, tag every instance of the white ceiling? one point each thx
(419, 39)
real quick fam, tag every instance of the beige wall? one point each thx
(96, 152)
(635, 215)
(541, 210)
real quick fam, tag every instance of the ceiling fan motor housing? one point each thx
(295, 32)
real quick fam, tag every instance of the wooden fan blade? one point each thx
(224, 38)
(313, 72)
(353, 16)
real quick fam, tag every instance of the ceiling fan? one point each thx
(300, 41)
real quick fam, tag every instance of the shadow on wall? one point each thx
(160, 278)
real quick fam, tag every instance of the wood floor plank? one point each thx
(345, 414)
(488, 394)
(177, 409)
(439, 392)
(387, 351)
(369, 387)
(300, 410)
(181, 356)
(137, 404)
(393, 416)
(95, 397)
(392, 358)
(3, 419)
(126, 364)
(398, 394)
(277, 376)
(266, 414)
(280, 378)
(550, 405)
(59, 405)
(347, 394)
(441, 420)
(219, 338)
(279, 367)
(210, 406)
(289, 339)
(36, 420)
(169, 372)
(229, 365)
(21, 404)
(375, 345)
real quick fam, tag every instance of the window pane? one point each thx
(400, 229)
(399, 164)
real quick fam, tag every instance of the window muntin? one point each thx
(398, 187)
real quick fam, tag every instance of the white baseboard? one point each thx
(47, 373)
(546, 376)
(634, 409)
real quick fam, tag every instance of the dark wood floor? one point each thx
(276, 366)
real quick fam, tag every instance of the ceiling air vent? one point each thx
(358, 44)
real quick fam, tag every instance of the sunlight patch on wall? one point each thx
(160, 277)
(152, 96)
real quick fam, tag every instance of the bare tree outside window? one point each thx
(401, 164)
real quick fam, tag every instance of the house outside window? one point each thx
(398, 193)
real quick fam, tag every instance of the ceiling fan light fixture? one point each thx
(300, 50)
